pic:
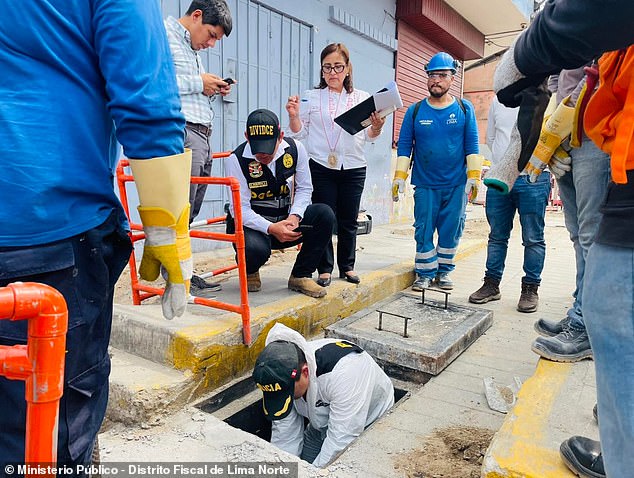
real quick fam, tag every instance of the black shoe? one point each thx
(489, 291)
(529, 300)
(571, 345)
(548, 328)
(324, 282)
(583, 456)
(355, 279)
(199, 287)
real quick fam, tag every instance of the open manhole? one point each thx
(240, 405)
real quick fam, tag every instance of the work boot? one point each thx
(199, 287)
(443, 281)
(583, 456)
(306, 285)
(489, 291)
(548, 328)
(571, 345)
(421, 283)
(254, 284)
(528, 298)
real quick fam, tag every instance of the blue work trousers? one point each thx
(441, 210)
(84, 269)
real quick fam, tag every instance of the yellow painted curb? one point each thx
(520, 448)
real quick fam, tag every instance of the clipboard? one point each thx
(386, 101)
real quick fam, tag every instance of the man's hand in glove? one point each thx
(398, 187)
(560, 163)
(400, 175)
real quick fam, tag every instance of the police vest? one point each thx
(329, 355)
(270, 195)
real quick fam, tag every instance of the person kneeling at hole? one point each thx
(275, 195)
(333, 383)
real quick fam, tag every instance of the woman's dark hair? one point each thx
(341, 49)
(215, 12)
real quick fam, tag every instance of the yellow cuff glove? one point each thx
(554, 130)
(400, 175)
(474, 172)
(163, 185)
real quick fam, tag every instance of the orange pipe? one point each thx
(40, 363)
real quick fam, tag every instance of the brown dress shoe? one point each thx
(306, 285)
(253, 282)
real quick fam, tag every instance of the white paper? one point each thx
(386, 102)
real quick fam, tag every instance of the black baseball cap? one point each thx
(275, 373)
(263, 130)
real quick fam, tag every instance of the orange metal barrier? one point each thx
(141, 292)
(40, 363)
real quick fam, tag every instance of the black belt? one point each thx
(201, 128)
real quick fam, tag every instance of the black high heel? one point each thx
(324, 282)
(350, 278)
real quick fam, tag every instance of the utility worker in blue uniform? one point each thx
(440, 134)
(275, 195)
(78, 77)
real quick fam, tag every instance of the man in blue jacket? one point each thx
(76, 78)
(439, 132)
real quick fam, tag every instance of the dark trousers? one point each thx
(84, 269)
(258, 246)
(340, 189)
(201, 166)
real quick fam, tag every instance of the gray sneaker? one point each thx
(421, 283)
(571, 345)
(443, 281)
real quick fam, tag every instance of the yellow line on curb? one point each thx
(520, 448)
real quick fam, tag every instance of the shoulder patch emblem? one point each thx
(287, 160)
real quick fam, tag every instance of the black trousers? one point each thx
(84, 269)
(340, 189)
(258, 246)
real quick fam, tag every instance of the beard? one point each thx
(437, 91)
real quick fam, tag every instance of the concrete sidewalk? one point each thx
(203, 350)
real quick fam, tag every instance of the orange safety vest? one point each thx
(609, 117)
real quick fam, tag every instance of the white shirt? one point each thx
(500, 123)
(357, 392)
(300, 184)
(321, 135)
(195, 105)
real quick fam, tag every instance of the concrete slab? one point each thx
(418, 336)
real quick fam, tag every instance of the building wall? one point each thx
(273, 52)
(478, 88)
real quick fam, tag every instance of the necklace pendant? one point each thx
(332, 159)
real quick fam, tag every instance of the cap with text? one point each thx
(275, 373)
(263, 131)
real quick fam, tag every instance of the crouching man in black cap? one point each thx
(275, 194)
(333, 383)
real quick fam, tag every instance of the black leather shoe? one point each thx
(583, 457)
(355, 279)
(324, 282)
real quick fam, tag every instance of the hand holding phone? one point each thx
(229, 81)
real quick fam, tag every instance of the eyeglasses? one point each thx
(338, 68)
(438, 75)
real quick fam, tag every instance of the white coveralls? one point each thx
(344, 401)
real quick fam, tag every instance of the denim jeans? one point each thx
(530, 201)
(582, 191)
(608, 309)
(84, 269)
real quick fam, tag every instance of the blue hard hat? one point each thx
(442, 61)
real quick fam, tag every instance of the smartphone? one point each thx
(229, 81)
(303, 228)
